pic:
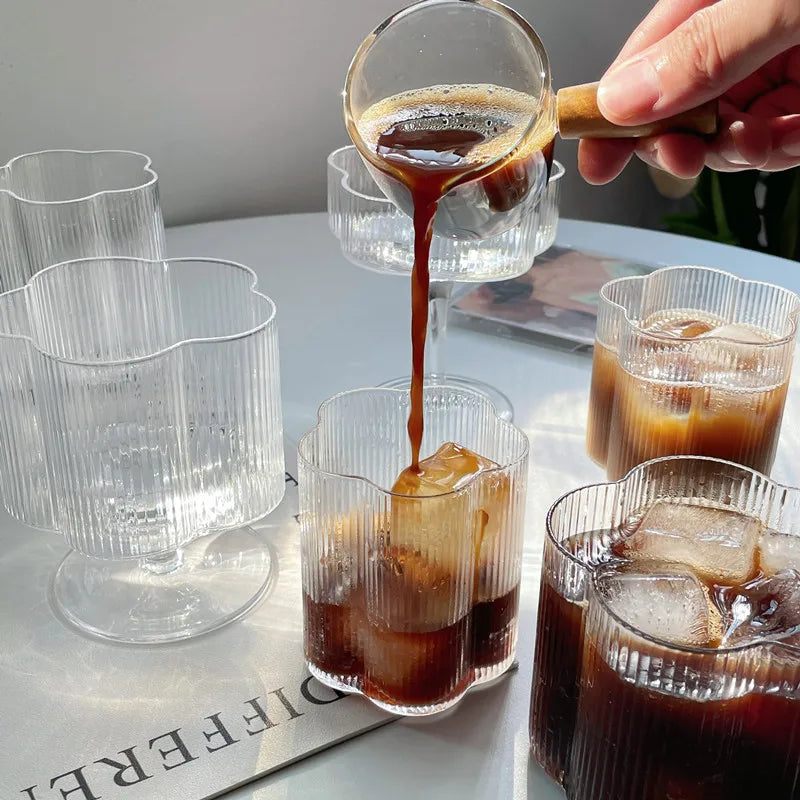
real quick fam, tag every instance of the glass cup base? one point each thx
(336, 683)
(213, 581)
(486, 677)
(332, 681)
(500, 402)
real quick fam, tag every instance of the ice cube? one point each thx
(448, 469)
(665, 601)
(412, 593)
(416, 668)
(737, 332)
(433, 516)
(765, 608)
(679, 327)
(778, 551)
(728, 353)
(717, 543)
(488, 521)
(495, 529)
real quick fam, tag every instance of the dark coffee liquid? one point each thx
(493, 628)
(432, 140)
(340, 638)
(332, 636)
(684, 750)
(556, 681)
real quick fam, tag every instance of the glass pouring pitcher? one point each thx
(471, 63)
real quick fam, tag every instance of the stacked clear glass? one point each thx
(149, 391)
(58, 205)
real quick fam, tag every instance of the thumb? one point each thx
(702, 58)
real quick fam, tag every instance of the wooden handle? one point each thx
(579, 117)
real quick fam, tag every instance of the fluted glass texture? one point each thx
(618, 714)
(690, 360)
(376, 234)
(156, 387)
(55, 206)
(409, 600)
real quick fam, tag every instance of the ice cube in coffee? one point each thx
(410, 592)
(495, 538)
(668, 647)
(700, 365)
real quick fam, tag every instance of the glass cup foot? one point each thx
(213, 581)
(500, 402)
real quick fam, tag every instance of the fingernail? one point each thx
(790, 144)
(651, 154)
(729, 149)
(629, 90)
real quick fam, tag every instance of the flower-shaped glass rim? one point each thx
(490, 5)
(463, 488)
(233, 265)
(146, 169)
(556, 173)
(735, 280)
(598, 570)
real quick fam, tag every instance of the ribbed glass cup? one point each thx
(376, 234)
(720, 393)
(617, 299)
(157, 406)
(58, 205)
(409, 600)
(55, 206)
(620, 715)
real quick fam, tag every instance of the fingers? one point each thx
(601, 160)
(744, 142)
(777, 102)
(663, 19)
(785, 133)
(680, 154)
(702, 58)
(792, 66)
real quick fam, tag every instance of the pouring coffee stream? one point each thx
(433, 153)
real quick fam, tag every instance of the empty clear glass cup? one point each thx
(410, 585)
(667, 656)
(55, 206)
(374, 233)
(152, 397)
(690, 360)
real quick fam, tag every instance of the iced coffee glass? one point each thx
(668, 645)
(690, 360)
(618, 298)
(411, 582)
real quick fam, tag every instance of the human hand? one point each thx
(685, 52)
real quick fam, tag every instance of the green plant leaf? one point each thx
(718, 208)
(702, 197)
(782, 213)
(742, 215)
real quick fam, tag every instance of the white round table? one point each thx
(343, 327)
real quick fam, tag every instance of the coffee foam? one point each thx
(503, 115)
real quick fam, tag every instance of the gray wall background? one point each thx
(239, 101)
